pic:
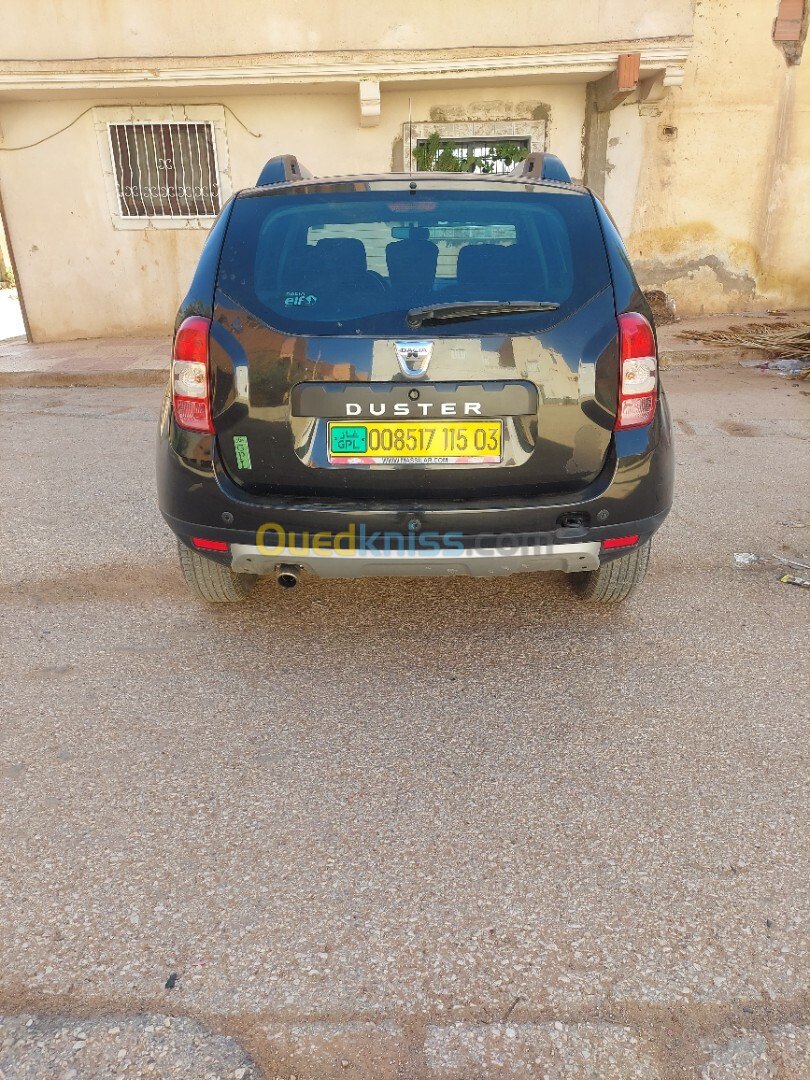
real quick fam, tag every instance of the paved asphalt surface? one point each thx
(435, 828)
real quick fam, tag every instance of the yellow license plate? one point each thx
(431, 442)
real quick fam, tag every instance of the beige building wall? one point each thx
(713, 193)
(710, 185)
(79, 276)
(119, 28)
(83, 278)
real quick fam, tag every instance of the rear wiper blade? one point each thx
(474, 309)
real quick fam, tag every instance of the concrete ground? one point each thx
(441, 828)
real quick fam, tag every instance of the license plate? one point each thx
(429, 442)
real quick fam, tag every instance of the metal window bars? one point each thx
(165, 170)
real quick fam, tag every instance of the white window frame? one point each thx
(214, 115)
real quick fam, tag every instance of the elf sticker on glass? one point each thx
(299, 299)
(242, 451)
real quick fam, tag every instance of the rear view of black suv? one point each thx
(414, 374)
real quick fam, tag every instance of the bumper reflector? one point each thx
(620, 541)
(209, 545)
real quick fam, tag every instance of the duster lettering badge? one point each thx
(416, 408)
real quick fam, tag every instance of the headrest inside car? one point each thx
(342, 255)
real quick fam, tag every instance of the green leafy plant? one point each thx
(436, 155)
(510, 153)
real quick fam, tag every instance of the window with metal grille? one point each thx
(165, 170)
(478, 155)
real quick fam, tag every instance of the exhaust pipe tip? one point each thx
(287, 577)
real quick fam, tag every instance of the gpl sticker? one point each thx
(242, 451)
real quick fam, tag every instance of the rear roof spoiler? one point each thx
(281, 169)
(540, 166)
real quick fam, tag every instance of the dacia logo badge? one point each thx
(413, 357)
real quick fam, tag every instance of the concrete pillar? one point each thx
(597, 126)
(601, 98)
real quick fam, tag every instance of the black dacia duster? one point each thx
(414, 374)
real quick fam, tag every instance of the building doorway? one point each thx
(13, 324)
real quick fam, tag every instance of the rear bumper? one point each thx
(359, 552)
(632, 495)
(497, 560)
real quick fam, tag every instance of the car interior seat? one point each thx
(412, 266)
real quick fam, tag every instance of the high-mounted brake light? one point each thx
(638, 372)
(191, 392)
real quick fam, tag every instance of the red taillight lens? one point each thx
(191, 393)
(620, 541)
(638, 372)
(209, 545)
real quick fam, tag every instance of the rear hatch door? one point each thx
(318, 387)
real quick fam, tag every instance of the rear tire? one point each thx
(614, 581)
(211, 581)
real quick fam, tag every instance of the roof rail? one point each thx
(540, 166)
(282, 168)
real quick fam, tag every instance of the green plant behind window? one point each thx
(436, 155)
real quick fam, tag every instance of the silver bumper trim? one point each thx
(475, 562)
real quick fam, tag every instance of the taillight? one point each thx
(191, 393)
(209, 545)
(638, 372)
(620, 541)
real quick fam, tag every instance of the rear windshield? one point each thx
(358, 261)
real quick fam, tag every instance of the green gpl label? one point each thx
(242, 451)
(348, 439)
